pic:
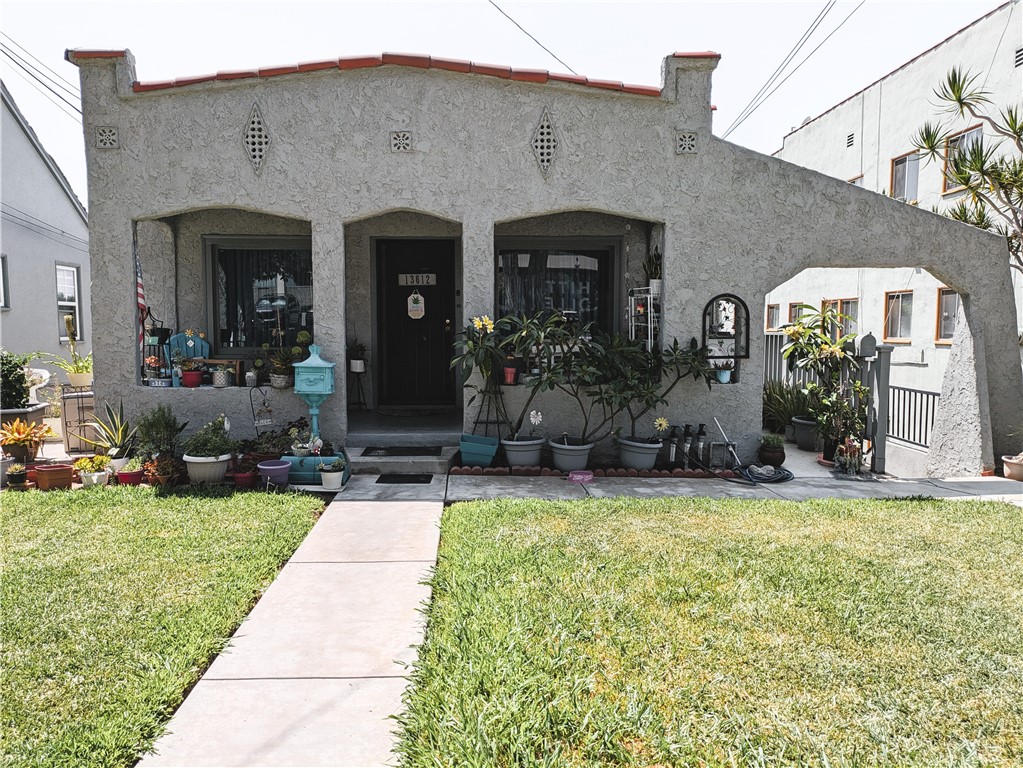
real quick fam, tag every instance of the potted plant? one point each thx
(93, 470)
(652, 269)
(837, 402)
(113, 436)
(77, 367)
(332, 475)
(191, 372)
(153, 365)
(303, 442)
(208, 452)
(132, 472)
(222, 375)
(282, 374)
(482, 351)
(15, 393)
(782, 402)
(1012, 466)
(161, 470)
(17, 475)
(245, 473)
(21, 440)
(357, 357)
(159, 432)
(772, 450)
(849, 456)
(723, 370)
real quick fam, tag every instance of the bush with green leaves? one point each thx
(211, 440)
(159, 432)
(14, 378)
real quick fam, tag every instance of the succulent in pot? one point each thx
(132, 472)
(332, 474)
(17, 474)
(93, 470)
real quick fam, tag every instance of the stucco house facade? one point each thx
(44, 239)
(866, 140)
(376, 178)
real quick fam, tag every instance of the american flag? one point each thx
(140, 293)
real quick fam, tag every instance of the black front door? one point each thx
(416, 322)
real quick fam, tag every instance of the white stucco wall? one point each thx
(733, 221)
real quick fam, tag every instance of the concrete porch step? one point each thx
(401, 465)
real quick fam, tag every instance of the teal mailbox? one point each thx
(314, 383)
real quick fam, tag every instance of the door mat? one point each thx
(392, 479)
(403, 450)
(413, 412)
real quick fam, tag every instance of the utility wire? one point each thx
(796, 69)
(532, 38)
(18, 221)
(56, 78)
(41, 223)
(37, 75)
(33, 81)
(781, 67)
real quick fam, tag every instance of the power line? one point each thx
(34, 73)
(796, 69)
(532, 38)
(34, 83)
(19, 222)
(746, 111)
(40, 222)
(67, 85)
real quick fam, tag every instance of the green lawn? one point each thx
(694, 632)
(114, 600)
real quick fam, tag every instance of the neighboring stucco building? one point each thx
(866, 140)
(342, 187)
(44, 238)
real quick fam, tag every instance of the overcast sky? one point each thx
(607, 40)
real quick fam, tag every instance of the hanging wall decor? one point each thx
(416, 306)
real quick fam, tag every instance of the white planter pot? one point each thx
(280, 381)
(1013, 469)
(638, 455)
(90, 479)
(656, 287)
(575, 455)
(80, 379)
(207, 469)
(357, 366)
(523, 453)
(333, 481)
(221, 378)
(251, 378)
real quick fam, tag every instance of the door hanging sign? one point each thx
(416, 306)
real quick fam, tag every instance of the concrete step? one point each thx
(401, 465)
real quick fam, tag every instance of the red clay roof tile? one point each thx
(316, 66)
(696, 55)
(452, 65)
(359, 62)
(287, 69)
(407, 60)
(530, 75)
(493, 70)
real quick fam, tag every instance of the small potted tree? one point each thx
(77, 367)
(208, 452)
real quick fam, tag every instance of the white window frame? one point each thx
(69, 307)
(942, 293)
(891, 300)
(5, 286)
(912, 174)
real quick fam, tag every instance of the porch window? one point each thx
(948, 310)
(795, 312)
(571, 278)
(261, 292)
(960, 142)
(67, 301)
(848, 307)
(773, 317)
(905, 176)
(898, 315)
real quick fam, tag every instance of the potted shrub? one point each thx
(782, 402)
(16, 390)
(208, 452)
(161, 470)
(282, 374)
(21, 440)
(77, 368)
(113, 436)
(159, 432)
(332, 475)
(772, 450)
(222, 375)
(482, 351)
(192, 372)
(93, 470)
(132, 472)
(245, 473)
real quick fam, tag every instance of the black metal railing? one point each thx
(911, 415)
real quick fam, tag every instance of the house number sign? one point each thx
(416, 306)
(417, 279)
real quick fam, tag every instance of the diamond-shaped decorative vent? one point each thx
(401, 141)
(106, 137)
(256, 139)
(685, 143)
(545, 142)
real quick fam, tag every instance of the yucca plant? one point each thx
(113, 436)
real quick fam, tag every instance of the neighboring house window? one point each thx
(67, 301)
(905, 175)
(857, 181)
(262, 291)
(5, 295)
(794, 311)
(898, 314)
(948, 310)
(960, 142)
(773, 316)
(848, 307)
(573, 278)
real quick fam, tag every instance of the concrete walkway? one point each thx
(312, 676)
